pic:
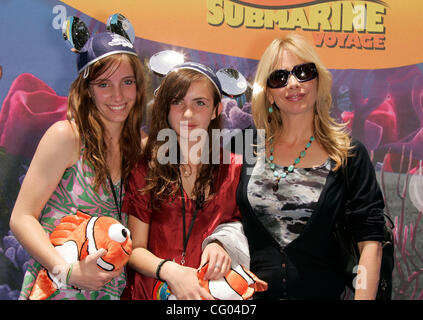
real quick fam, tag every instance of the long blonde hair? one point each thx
(91, 128)
(331, 134)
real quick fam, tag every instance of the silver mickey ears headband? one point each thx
(231, 81)
(119, 39)
(76, 32)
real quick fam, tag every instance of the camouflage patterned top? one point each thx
(285, 213)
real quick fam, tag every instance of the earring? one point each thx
(269, 117)
(271, 108)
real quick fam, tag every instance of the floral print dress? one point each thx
(75, 192)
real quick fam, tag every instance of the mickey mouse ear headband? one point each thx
(119, 38)
(227, 81)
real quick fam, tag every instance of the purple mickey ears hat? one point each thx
(118, 39)
(203, 69)
(102, 45)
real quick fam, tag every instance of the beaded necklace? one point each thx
(285, 172)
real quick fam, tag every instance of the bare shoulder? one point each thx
(64, 130)
(61, 140)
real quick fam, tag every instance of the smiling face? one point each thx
(296, 97)
(114, 93)
(194, 111)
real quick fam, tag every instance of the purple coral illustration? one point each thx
(408, 272)
(13, 250)
(235, 117)
(8, 294)
(14, 253)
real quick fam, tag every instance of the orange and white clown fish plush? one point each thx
(75, 238)
(238, 284)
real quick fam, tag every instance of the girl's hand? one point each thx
(218, 259)
(183, 282)
(86, 275)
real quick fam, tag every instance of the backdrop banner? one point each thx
(372, 47)
(368, 34)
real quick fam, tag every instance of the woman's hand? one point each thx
(183, 282)
(218, 259)
(86, 275)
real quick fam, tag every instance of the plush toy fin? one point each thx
(43, 287)
(202, 271)
(200, 276)
(59, 237)
(258, 285)
(82, 215)
(248, 293)
(66, 226)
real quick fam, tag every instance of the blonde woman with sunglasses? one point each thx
(291, 197)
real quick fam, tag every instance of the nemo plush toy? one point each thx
(75, 238)
(238, 284)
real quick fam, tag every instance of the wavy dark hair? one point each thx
(164, 180)
(91, 129)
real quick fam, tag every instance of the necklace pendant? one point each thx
(183, 258)
(186, 170)
(290, 169)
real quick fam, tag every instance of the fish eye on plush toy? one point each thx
(118, 233)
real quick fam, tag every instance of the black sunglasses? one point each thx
(302, 72)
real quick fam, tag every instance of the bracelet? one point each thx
(69, 273)
(159, 266)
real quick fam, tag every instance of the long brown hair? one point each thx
(91, 128)
(164, 180)
(330, 133)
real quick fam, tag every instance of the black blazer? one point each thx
(308, 267)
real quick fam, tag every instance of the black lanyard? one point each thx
(118, 205)
(184, 234)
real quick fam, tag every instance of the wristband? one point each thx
(159, 266)
(69, 273)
